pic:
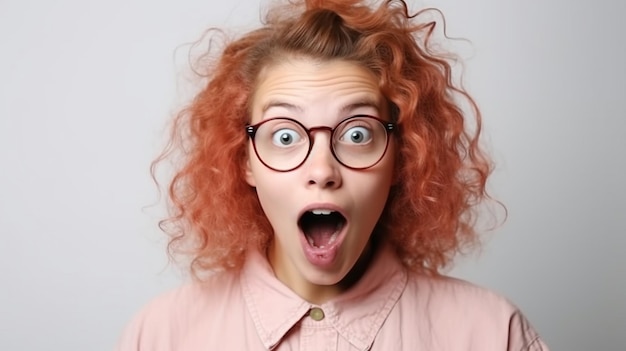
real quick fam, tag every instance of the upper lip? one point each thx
(322, 206)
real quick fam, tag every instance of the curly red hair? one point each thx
(216, 215)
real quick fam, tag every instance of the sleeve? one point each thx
(522, 336)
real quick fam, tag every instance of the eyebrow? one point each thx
(366, 102)
(276, 103)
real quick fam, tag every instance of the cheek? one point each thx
(377, 198)
(379, 185)
(268, 194)
(270, 190)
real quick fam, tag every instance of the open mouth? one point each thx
(321, 227)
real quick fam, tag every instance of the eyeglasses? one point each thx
(283, 144)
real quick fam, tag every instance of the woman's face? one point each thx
(322, 212)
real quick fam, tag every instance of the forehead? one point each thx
(324, 87)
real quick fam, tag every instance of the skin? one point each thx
(319, 94)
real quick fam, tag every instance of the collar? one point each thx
(356, 315)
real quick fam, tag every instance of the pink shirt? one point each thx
(388, 309)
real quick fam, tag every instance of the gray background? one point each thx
(86, 88)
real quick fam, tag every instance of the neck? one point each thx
(318, 293)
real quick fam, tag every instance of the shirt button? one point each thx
(316, 313)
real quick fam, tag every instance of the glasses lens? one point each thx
(281, 144)
(360, 142)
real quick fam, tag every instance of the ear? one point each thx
(248, 174)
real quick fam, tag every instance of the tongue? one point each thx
(321, 232)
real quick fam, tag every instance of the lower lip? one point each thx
(322, 258)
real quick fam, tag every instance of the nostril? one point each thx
(327, 184)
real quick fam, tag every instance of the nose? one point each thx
(322, 169)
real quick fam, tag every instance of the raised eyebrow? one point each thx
(363, 103)
(276, 103)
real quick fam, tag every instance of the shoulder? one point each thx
(454, 308)
(443, 292)
(190, 300)
(174, 316)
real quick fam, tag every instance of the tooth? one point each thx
(311, 241)
(322, 212)
(332, 238)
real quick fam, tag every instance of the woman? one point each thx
(328, 174)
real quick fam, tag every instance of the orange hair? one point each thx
(215, 216)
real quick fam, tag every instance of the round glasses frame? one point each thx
(251, 130)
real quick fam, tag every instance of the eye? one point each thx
(357, 135)
(285, 137)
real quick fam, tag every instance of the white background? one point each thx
(86, 88)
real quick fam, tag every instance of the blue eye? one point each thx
(285, 137)
(357, 135)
